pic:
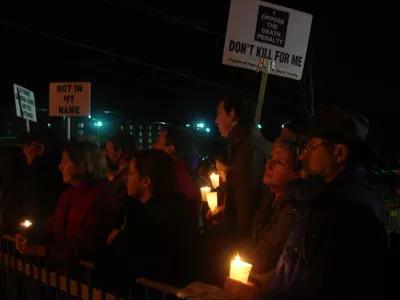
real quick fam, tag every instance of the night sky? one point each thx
(161, 60)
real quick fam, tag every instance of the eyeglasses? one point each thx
(311, 146)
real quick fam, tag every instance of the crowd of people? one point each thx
(303, 212)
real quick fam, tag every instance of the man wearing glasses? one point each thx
(337, 249)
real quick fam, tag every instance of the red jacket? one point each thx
(81, 222)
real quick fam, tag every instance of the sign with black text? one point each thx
(70, 99)
(25, 103)
(258, 29)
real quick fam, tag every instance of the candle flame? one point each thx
(26, 224)
(237, 257)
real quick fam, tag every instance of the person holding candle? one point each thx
(157, 240)
(203, 173)
(42, 180)
(275, 217)
(221, 166)
(337, 249)
(247, 153)
(84, 213)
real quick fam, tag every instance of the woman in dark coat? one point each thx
(275, 217)
(84, 212)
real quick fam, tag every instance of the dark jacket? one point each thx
(80, 224)
(337, 248)
(12, 189)
(118, 186)
(248, 153)
(44, 185)
(186, 185)
(272, 226)
(156, 243)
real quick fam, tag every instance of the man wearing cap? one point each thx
(336, 251)
(43, 180)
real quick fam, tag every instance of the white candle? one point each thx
(240, 271)
(204, 191)
(26, 224)
(214, 180)
(212, 200)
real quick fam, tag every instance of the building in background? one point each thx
(146, 133)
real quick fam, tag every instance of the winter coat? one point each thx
(272, 225)
(156, 243)
(337, 248)
(80, 224)
(248, 153)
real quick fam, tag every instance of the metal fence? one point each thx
(34, 279)
(391, 220)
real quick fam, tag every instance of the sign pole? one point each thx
(68, 128)
(263, 67)
(27, 126)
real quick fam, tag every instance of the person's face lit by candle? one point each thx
(225, 120)
(114, 155)
(161, 143)
(222, 170)
(278, 169)
(32, 151)
(68, 169)
(137, 186)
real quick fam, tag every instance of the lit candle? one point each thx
(212, 200)
(240, 271)
(214, 180)
(204, 191)
(26, 224)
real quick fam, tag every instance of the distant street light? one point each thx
(259, 126)
(98, 124)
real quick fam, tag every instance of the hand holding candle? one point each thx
(214, 180)
(240, 271)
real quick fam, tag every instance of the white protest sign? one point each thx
(25, 103)
(70, 99)
(258, 29)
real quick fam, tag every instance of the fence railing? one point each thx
(391, 218)
(24, 277)
(29, 278)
